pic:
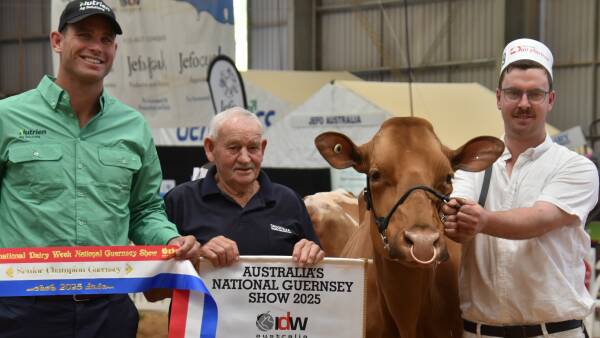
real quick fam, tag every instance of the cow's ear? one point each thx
(339, 151)
(477, 154)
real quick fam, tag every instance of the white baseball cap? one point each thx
(527, 49)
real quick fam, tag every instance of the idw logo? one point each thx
(266, 322)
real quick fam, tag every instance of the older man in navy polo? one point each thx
(236, 209)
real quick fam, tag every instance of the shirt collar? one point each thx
(530, 153)
(209, 185)
(538, 151)
(50, 91)
(53, 94)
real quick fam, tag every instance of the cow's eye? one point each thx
(375, 175)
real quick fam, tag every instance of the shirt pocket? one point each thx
(117, 168)
(39, 167)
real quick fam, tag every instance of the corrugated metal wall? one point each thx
(349, 40)
(477, 34)
(268, 34)
(455, 41)
(450, 41)
(24, 47)
(570, 30)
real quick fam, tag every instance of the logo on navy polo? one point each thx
(32, 133)
(280, 229)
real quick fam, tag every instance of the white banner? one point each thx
(270, 297)
(163, 57)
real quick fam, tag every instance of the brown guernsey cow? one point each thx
(334, 215)
(409, 172)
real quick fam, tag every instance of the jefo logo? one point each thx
(31, 133)
(266, 322)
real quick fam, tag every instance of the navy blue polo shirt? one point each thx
(270, 224)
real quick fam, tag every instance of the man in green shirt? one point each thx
(78, 167)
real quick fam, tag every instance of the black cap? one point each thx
(81, 9)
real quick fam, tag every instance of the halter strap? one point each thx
(383, 222)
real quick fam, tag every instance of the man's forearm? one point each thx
(525, 223)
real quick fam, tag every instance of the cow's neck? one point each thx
(404, 290)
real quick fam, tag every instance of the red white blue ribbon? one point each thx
(112, 270)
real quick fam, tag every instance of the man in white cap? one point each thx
(522, 270)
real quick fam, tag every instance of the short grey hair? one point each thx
(218, 120)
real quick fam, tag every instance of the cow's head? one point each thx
(406, 153)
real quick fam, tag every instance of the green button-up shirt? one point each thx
(62, 185)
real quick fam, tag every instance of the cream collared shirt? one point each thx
(540, 279)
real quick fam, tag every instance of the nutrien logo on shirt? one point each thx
(31, 133)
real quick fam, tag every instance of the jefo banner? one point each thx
(271, 297)
(163, 57)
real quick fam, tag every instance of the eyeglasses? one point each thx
(534, 95)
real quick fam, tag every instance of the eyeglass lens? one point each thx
(534, 95)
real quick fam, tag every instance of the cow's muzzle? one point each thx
(383, 222)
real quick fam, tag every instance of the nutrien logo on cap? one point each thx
(99, 5)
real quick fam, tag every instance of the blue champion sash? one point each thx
(112, 270)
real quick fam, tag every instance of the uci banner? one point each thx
(112, 270)
(271, 297)
(163, 57)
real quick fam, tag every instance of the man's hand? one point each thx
(450, 220)
(307, 253)
(220, 251)
(450, 210)
(464, 219)
(471, 218)
(189, 248)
